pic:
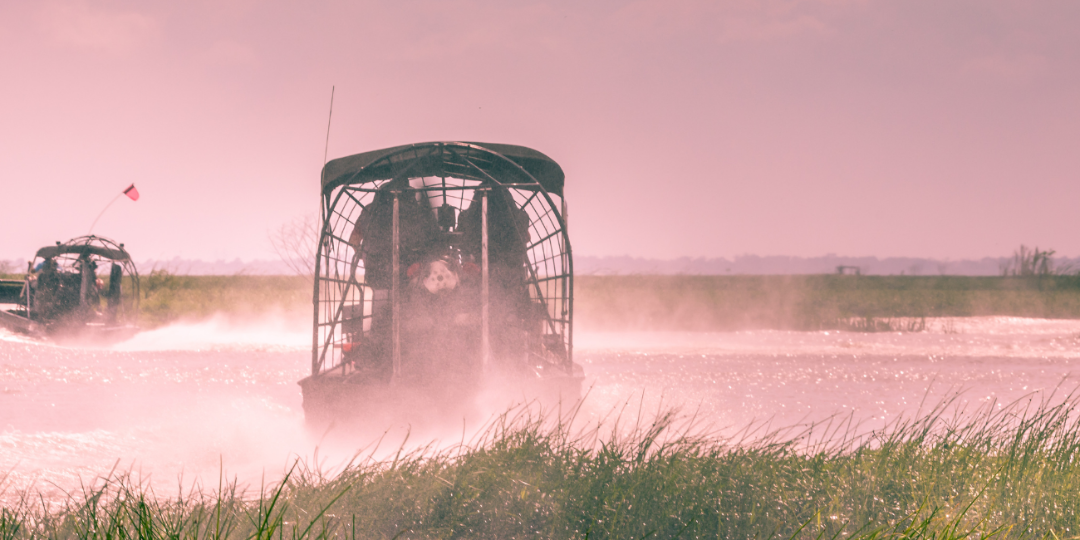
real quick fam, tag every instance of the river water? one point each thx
(185, 404)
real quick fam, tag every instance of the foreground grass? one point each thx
(1007, 473)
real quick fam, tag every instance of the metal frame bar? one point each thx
(485, 284)
(395, 286)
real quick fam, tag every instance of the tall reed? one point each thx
(1002, 471)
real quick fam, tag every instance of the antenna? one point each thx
(331, 117)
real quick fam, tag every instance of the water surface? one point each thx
(179, 405)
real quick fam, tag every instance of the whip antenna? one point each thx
(331, 117)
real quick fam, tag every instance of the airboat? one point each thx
(86, 289)
(442, 269)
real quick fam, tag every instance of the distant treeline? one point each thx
(189, 267)
(626, 265)
(783, 265)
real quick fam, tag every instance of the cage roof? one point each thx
(82, 249)
(505, 163)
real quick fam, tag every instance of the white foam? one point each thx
(219, 332)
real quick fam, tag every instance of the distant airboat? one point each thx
(440, 267)
(86, 288)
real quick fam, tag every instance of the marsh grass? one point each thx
(685, 303)
(1001, 471)
(680, 303)
(168, 298)
(812, 302)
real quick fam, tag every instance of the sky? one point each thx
(917, 128)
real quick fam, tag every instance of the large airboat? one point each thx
(442, 269)
(86, 288)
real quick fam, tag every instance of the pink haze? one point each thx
(686, 127)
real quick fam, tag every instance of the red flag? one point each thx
(132, 192)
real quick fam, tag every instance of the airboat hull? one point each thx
(19, 324)
(333, 399)
(80, 333)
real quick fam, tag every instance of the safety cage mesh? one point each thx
(346, 298)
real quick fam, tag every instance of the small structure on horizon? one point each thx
(848, 270)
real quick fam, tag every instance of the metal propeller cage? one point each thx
(451, 175)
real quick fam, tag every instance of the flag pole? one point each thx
(103, 212)
(132, 194)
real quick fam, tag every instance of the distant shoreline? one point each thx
(785, 265)
(627, 265)
(677, 303)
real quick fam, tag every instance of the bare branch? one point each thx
(294, 243)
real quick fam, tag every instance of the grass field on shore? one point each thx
(810, 302)
(689, 303)
(168, 298)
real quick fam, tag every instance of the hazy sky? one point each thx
(930, 128)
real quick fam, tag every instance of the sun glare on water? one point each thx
(189, 402)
